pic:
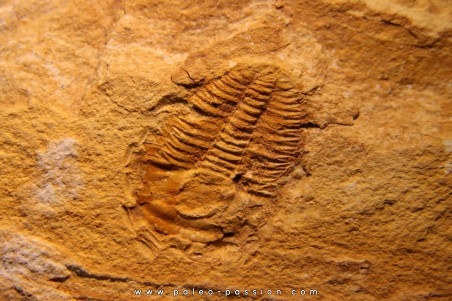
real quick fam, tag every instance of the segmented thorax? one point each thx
(243, 132)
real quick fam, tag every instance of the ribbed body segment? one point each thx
(245, 123)
(242, 134)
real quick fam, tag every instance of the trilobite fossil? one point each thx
(243, 134)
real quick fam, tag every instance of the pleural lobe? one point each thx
(245, 126)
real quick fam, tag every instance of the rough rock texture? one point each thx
(225, 145)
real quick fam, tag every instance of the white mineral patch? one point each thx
(61, 180)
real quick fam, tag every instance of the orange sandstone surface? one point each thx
(224, 150)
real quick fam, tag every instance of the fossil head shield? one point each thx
(211, 167)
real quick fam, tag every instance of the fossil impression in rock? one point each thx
(243, 135)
